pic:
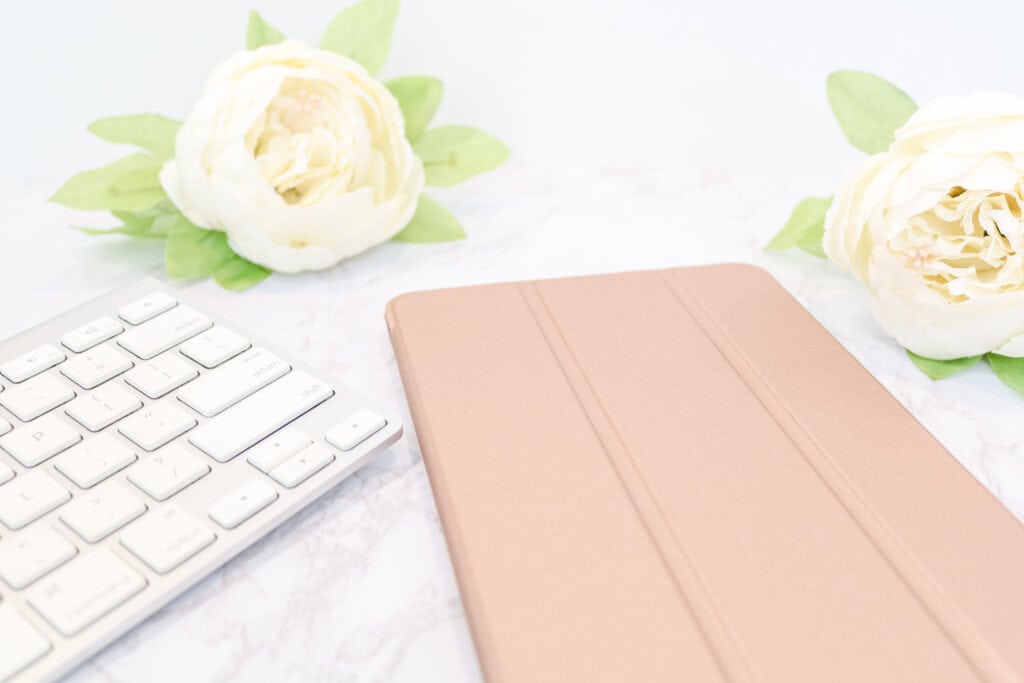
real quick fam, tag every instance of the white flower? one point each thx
(299, 155)
(935, 228)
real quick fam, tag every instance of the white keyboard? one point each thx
(144, 443)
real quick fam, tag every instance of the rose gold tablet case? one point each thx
(680, 476)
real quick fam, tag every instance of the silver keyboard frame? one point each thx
(70, 652)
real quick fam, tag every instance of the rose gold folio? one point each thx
(679, 475)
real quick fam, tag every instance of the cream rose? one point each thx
(299, 155)
(934, 227)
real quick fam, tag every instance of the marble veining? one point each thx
(358, 587)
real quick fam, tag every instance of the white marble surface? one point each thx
(359, 587)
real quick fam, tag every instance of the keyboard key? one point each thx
(20, 642)
(39, 441)
(93, 460)
(227, 385)
(161, 375)
(263, 413)
(102, 511)
(214, 346)
(166, 538)
(355, 429)
(6, 473)
(88, 336)
(33, 553)
(103, 407)
(302, 466)
(31, 399)
(5, 426)
(32, 363)
(96, 367)
(243, 503)
(28, 497)
(167, 471)
(141, 310)
(81, 592)
(156, 425)
(276, 448)
(164, 331)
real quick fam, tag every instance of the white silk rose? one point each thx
(934, 226)
(299, 155)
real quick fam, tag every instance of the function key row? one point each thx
(32, 363)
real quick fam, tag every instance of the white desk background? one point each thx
(645, 134)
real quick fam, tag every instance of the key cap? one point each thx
(29, 497)
(88, 336)
(39, 441)
(166, 538)
(229, 384)
(102, 511)
(156, 425)
(355, 429)
(276, 448)
(164, 331)
(32, 363)
(6, 473)
(167, 471)
(5, 426)
(33, 553)
(20, 642)
(96, 367)
(93, 460)
(161, 375)
(263, 413)
(214, 346)
(103, 407)
(243, 503)
(31, 399)
(141, 310)
(302, 466)
(81, 592)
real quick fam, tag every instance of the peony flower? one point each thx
(934, 226)
(298, 155)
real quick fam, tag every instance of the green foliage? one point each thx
(939, 369)
(363, 32)
(193, 252)
(805, 227)
(1009, 370)
(259, 33)
(419, 98)
(129, 184)
(152, 132)
(451, 154)
(431, 223)
(869, 108)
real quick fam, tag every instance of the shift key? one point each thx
(260, 415)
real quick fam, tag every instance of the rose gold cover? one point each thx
(680, 476)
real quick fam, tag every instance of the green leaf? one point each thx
(151, 132)
(148, 224)
(805, 227)
(363, 32)
(129, 184)
(259, 33)
(869, 108)
(451, 154)
(193, 252)
(1009, 370)
(418, 97)
(431, 223)
(939, 369)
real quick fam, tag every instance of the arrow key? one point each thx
(242, 503)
